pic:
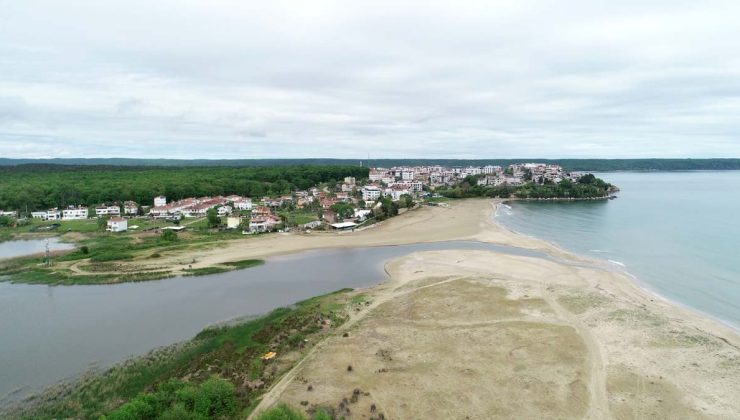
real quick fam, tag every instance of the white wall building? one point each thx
(107, 211)
(160, 201)
(243, 204)
(117, 224)
(74, 213)
(370, 193)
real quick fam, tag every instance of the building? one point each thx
(370, 193)
(74, 213)
(130, 208)
(362, 214)
(243, 203)
(160, 201)
(38, 215)
(117, 224)
(8, 213)
(263, 224)
(102, 211)
(234, 221)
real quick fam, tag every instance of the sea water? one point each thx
(677, 232)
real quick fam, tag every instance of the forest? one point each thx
(36, 187)
(584, 165)
(588, 187)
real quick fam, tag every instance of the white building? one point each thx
(107, 211)
(160, 201)
(8, 213)
(224, 210)
(117, 224)
(74, 213)
(362, 214)
(38, 215)
(370, 193)
(243, 204)
(130, 208)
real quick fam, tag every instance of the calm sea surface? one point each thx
(678, 232)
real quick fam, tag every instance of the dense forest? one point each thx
(32, 187)
(589, 186)
(586, 165)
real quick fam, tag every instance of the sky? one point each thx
(223, 79)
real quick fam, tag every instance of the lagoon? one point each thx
(51, 333)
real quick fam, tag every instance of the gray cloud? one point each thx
(232, 79)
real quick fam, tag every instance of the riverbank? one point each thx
(560, 337)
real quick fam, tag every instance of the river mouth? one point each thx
(52, 333)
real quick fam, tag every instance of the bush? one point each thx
(281, 412)
(175, 399)
(168, 235)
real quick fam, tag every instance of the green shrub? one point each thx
(281, 412)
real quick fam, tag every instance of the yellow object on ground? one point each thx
(269, 355)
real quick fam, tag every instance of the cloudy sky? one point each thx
(243, 79)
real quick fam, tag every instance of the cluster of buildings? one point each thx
(260, 216)
(412, 179)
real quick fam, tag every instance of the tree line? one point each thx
(37, 187)
(588, 186)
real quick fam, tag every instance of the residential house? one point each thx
(243, 203)
(130, 208)
(117, 224)
(224, 210)
(102, 211)
(74, 213)
(38, 215)
(263, 223)
(160, 201)
(234, 221)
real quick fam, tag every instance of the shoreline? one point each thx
(620, 268)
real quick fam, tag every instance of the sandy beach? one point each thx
(479, 334)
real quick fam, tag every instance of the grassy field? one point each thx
(98, 252)
(233, 353)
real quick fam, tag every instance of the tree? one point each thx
(5, 221)
(213, 219)
(406, 201)
(343, 210)
(102, 223)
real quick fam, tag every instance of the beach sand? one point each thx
(478, 334)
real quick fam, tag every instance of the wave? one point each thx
(619, 263)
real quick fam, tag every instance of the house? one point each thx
(160, 201)
(224, 210)
(102, 211)
(243, 203)
(8, 213)
(312, 225)
(261, 211)
(370, 193)
(130, 208)
(117, 224)
(234, 221)
(38, 215)
(263, 223)
(74, 213)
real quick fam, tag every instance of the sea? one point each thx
(677, 233)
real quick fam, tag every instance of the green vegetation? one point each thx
(177, 399)
(588, 187)
(244, 263)
(218, 374)
(31, 187)
(597, 165)
(284, 412)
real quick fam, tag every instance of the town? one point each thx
(343, 206)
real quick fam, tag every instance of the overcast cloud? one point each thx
(257, 79)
